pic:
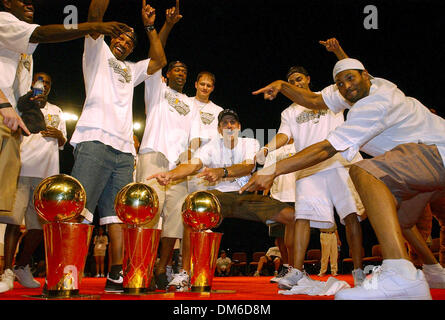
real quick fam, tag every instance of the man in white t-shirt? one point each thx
(407, 171)
(319, 188)
(19, 37)
(208, 123)
(39, 155)
(227, 163)
(103, 139)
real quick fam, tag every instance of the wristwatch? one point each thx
(226, 172)
(149, 28)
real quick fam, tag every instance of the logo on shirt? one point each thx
(182, 108)
(52, 120)
(25, 61)
(307, 116)
(207, 118)
(117, 68)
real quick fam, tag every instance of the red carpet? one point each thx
(224, 288)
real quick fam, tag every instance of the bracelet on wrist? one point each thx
(5, 105)
(149, 28)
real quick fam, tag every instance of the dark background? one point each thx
(248, 44)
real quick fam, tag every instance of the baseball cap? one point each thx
(226, 112)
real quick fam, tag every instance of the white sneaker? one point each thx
(181, 282)
(359, 276)
(7, 280)
(388, 284)
(435, 277)
(25, 278)
(280, 275)
(290, 279)
(256, 274)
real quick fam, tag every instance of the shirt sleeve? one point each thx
(284, 126)
(92, 57)
(15, 34)
(204, 154)
(364, 122)
(153, 85)
(140, 71)
(333, 99)
(252, 146)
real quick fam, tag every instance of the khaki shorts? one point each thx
(248, 206)
(414, 173)
(9, 167)
(171, 197)
(24, 205)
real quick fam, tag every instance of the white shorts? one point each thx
(24, 205)
(171, 197)
(318, 194)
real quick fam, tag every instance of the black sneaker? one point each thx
(161, 281)
(115, 285)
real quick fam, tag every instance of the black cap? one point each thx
(226, 112)
(178, 63)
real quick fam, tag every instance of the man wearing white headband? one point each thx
(407, 142)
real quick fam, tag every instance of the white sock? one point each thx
(432, 267)
(402, 266)
(285, 265)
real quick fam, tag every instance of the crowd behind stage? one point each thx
(323, 172)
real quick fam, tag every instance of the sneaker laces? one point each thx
(372, 279)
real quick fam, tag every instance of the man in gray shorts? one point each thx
(408, 143)
(226, 163)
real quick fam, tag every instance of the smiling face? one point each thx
(177, 77)
(353, 85)
(21, 9)
(122, 46)
(300, 80)
(204, 87)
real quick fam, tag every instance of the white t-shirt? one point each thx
(170, 117)
(382, 120)
(107, 114)
(307, 127)
(206, 131)
(208, 121)
(283, 187)
(16, 51)
(216, 155)
(40, 155)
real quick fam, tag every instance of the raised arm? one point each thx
(94, 26)
(301, 96)
(156, 52)
(332, 45)
(172, 16)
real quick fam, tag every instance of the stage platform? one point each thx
(224, 288)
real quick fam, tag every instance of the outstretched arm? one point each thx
(332, 45)
(181, 171)
(279, 140)
(306, 158)
(156, 52)
(94, 26)
(301, 96)
(172, 16)
(234, 171)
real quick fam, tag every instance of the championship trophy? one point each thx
(58, 199)
(136, 204)
(202, 211)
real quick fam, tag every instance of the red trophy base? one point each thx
(140, 252)
(204, 253)
(66, 250)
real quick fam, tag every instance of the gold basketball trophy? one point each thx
(58, 199)
(137, 204)
(202, 211)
